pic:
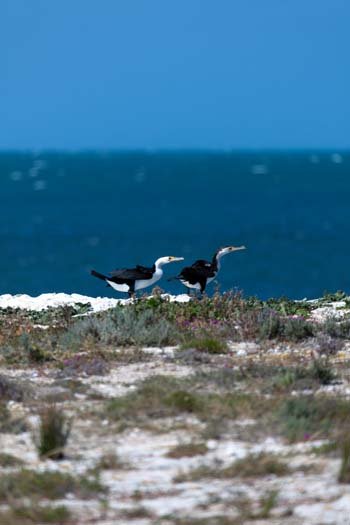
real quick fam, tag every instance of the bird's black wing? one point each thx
(193, 275)
(204, 267)
(146, 269)
(132, 274)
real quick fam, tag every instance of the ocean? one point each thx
(65, 213)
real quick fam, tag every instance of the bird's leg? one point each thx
(201, 293)
(131, 291)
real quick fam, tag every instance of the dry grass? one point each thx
(162, 396)
(252, 466)
(49, 485)
(187, 450)
(8, 460)
(111, 461)
(34, 514)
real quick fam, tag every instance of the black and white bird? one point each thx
(132, 279)
(203, 272)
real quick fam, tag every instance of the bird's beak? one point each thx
(236, 248)
(175, 259)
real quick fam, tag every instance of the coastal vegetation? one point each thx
(218, 389)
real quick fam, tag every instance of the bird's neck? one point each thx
(157, 267)
(216, 260)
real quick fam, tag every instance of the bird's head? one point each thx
(166, 260)
(228, 249)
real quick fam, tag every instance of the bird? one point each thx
(202, 272)
(132, 279)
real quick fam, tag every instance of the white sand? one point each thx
(53, 300)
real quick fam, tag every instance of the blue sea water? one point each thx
(65, 213)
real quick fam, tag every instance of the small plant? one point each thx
(33, 351)
(302, 418)
(337, 329)
(162, 396)
(36, 514)
(7, 460)
(49, 485)
(54, 432)
(267, 503)
(123, 326)
(344, 473)
(333, 297)
(259, 465)
(10, 389)
(206, 344)
(187, 450)
(285, 379)
(255, 465)
(286, 307)
(8, 423)
(329, 448)
(138, 512)
(79, 365)
(183, 401)
(269, 325)
(322, 372)
(328, 345)
(297, 329)
(319, 373)
(110, 461)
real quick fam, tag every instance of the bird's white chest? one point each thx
(139, 284)
(143, 283)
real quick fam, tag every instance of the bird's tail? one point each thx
(98, 275)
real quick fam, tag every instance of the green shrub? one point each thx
(206, 344)
(122, 326)
(36, 514)
(49, 485)
(183, 401)
(10, 424)
(251, 466)
(162, 396)
(187, 450)
(337, 329)
(8, 460)
(301, 418)
(54, 432)
(344, 472)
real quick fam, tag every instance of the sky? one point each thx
(165, 74)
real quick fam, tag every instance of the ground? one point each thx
(218, 411)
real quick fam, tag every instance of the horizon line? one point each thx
(152, 151)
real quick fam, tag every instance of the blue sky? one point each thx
(79, 74)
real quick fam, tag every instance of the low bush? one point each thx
(187, 450)
(49, 485)
(162, 396)
(344, 472)
(122, 326)
(54, 431)
(206, 344)
(34, 514)
(251, 466)
(309, 416)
